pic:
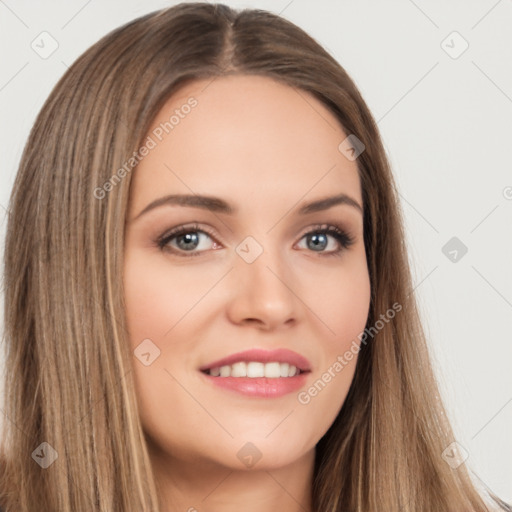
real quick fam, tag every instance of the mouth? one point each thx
(255, 369)
(259, 373)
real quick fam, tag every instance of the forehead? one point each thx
(245, 135)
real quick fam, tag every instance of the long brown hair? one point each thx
(69, 380)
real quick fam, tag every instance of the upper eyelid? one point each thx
(196, 227)
(185, 228)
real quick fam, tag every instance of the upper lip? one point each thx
(280, 355)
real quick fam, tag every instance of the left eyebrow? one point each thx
(216, 204)
(329, 202)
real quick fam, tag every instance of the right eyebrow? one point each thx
(215, 204)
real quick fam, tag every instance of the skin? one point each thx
(266, 149)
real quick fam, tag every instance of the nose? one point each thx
(263, 293)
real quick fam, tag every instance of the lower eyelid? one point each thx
(344, 239)
(164, 242)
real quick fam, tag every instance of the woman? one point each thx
(208, 302)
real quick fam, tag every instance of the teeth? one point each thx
(272, 370)
(238, 370)
(225, 371)
(255, 369)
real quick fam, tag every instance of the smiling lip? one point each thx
(263, 356)
(262, 387)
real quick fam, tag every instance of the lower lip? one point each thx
(262, 387)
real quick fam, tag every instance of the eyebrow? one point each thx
(218, 205)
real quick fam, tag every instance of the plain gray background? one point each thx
(445, 114)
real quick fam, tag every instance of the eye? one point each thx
(187, 239)
(317, 239)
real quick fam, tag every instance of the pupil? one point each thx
(191, 238)
(317, 243)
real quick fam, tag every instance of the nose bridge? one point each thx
(263, 264)
(263, 283)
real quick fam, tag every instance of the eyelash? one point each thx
(341, 236)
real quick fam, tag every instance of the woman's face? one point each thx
(252, 270)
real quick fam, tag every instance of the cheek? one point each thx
(341, 302)
(156, 301)
(339, 308)
(156, 297)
